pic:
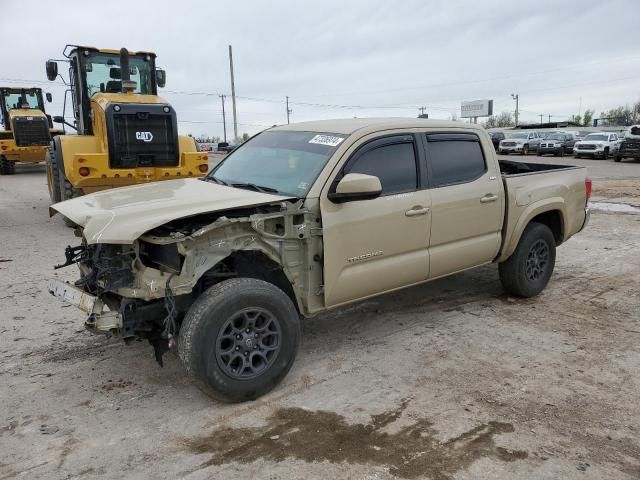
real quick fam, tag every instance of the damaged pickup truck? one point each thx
(303, 218)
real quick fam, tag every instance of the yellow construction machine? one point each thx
(125, 133)
(27, 128)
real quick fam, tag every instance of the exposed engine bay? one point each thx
(144, 289)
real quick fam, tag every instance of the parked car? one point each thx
(557, 144)
(629, 147)
(595, 145)
(496, 138)
(517, 142)
(303, 218)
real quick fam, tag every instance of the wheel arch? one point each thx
(550, 213)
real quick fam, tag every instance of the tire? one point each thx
(528, 270)
(605, 154)
(53, 176)
(525, 150)
(7, 167)
(617, 158)
(235, 307)
(578, 155)
(68, 192)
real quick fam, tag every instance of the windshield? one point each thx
(103, 74)
(15, 100)
(286, 162)
(518, 135)
(596, 137)
(556, 136)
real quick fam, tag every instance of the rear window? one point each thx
(454, 158)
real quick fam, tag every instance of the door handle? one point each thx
(417, 210)
(489, 198)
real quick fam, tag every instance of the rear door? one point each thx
(467, 202)
(373, 246)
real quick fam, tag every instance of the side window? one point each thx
(454, 158)
(394, 165)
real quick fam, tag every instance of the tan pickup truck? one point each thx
(303, 218)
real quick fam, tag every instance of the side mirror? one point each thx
(48, 97)
(161, 78)
(58, 119)
(52, 70)
(356, 186)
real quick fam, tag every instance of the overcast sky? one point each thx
(346, 58)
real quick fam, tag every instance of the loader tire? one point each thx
(7, 167)
(53, 176)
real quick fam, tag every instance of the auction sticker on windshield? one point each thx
(326, 140)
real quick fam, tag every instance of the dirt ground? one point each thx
(449, 380)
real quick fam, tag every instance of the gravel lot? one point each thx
(453, 379)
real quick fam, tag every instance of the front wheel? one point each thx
(525, 150)
(239, 339)
(528, 270)
(7, 167)
(617, 158)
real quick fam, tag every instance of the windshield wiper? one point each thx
(257, 188)
(217, 180)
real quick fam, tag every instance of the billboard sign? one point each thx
(476, 108)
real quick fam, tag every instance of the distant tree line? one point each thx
(621, 115)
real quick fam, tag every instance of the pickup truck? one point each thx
(630, 145)
(600, 144)
(303, 218)
(519, 142)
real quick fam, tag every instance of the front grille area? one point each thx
(142, 136)
(586, 146)
(31, 131)
(630, 147)
(508, 144)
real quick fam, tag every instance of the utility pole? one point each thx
(549, 118)
(224, 119)
(289, 111)
(516, 97)
(422, 112)
(541, 115)
(233, 96)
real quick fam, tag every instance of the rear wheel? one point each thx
(239, 339)
(528, 270)
(7, 167)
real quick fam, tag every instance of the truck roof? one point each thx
(350, 125)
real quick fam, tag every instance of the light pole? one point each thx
(515, 96)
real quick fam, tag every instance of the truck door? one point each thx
(377, 245)
(466, 202)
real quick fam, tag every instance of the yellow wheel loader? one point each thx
(125, 133)
(27, 128)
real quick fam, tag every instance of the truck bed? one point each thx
(511, 168)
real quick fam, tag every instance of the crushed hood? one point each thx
(123, 214)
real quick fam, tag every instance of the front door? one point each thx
(373, 246)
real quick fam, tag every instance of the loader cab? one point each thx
(94, 71)
(19, 99)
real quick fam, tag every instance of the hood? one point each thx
(592, 142)
(123, 214)
(514, 140)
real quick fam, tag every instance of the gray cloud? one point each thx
(373, 54)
